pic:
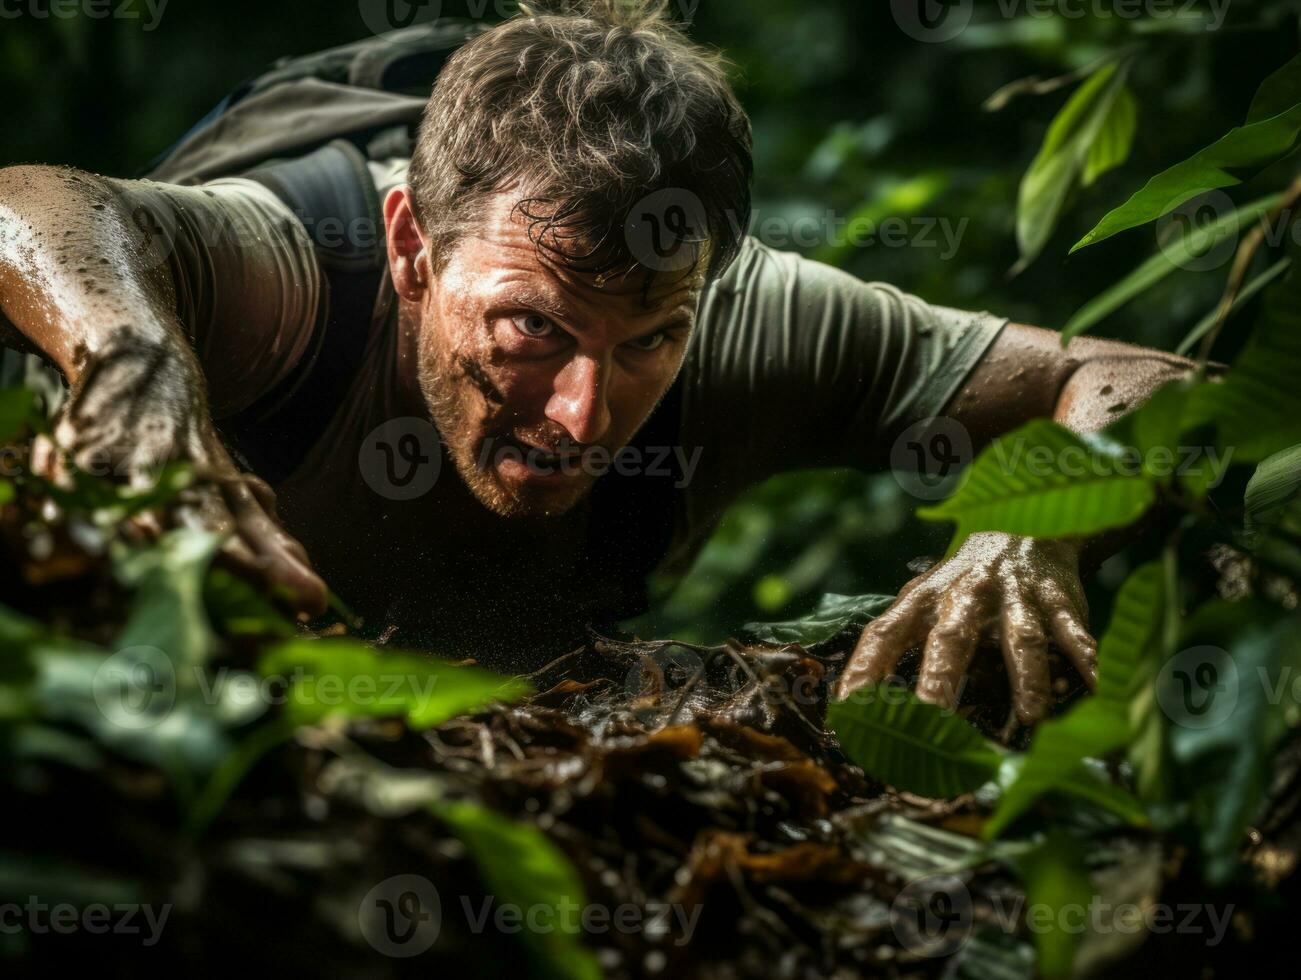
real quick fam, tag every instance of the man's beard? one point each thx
(473, 441)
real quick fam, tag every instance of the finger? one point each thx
(885, 640)
(1025, 651)
(285, 559)
(1073, 639)
(1066, 613)
(951, 646)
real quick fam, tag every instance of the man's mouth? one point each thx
(514, 456)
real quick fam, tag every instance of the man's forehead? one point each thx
(507, 238)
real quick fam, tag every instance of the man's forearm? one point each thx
(72, 276)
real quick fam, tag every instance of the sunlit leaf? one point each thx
(1068, 154)
(1110, 148)
(343, 677)
(1044, 481)
(1228, 161)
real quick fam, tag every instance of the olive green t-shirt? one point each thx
(792, 363)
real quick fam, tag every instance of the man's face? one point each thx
(528, 367)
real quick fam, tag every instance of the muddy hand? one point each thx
(136, 406)
(1021, 592)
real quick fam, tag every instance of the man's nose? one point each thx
(578, 401)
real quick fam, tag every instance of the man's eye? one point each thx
(533, 325)
(649, 342)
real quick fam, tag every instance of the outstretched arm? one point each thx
(1023, 592)
(89, 278)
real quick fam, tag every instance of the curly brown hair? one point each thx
(585, 107)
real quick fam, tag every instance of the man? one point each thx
(534, 313)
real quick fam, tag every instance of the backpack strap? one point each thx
(332, 193)
(353, 91)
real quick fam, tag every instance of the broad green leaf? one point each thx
(1169, 258)
(1257, 408)
(1055, 878)
(6, 492)
(1273, 486)
(834, 614)
(167, 611)
(1097, 726)
(17, 409)
(343, 677)
(521, 867)
(1244, 296)
(1114, 140)
(1277, 93)
(1044, 481)
(1068, 153)
(912, 745)
(1230, 160)
(147, 717)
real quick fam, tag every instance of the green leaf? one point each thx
(343, 677)
(1257, 408)
(1273, 486)
(520, 867)
(1231, 159)
(17, 410)
(167, 610)
(1114, 140)
(1055, 879)
(1277, 93)
(834, 614)
(1068, 154)
(1099, 725)
(912, 745)
(1044, 481)
(1169, 258)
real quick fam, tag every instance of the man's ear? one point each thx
(408, 252)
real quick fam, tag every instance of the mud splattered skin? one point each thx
(1020, 594)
